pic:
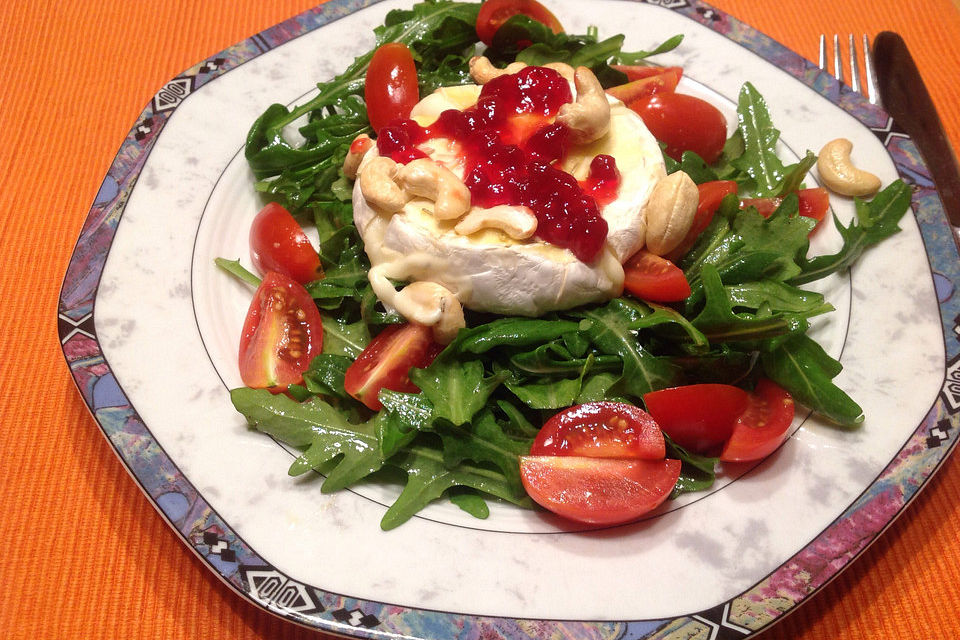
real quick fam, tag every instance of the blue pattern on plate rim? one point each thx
(250, 575)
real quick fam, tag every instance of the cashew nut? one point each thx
(589, 117)
(425, 178)
(378, 185)
(433, 305)
(839, 173)
(563, 69)
(516, 222)
(360, 145)
(483, 71)
(670, 212)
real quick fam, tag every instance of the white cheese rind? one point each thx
(491, 272)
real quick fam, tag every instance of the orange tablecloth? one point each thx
(87, 555)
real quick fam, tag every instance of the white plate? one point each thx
(150, 329)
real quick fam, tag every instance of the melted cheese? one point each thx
(488, 270)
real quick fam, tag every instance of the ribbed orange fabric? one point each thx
(86, 555)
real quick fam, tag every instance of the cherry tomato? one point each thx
(494, 13)
(684, 123)
(641, 71)
(814, 203)
(598, 490)
(710, 195)
(698, 417)
(664, 81)
(391, 88)
(601, 430)
(763, 425)
(387, 360)
(277, 243)
(650, 277)
(281, 335)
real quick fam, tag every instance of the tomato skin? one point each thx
(387, 360)
(601, 430)
(641, 71)
(763, 425)
(814, 203)
(711, 194)
(391, 88)
(494, 13)
(281, 335)
(277, 243)
(698, 417)
(684, 123)
(664, 81)
(602, 491)
(653, 278)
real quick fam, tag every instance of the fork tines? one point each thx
(869, 87)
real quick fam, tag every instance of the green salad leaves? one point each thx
(483, 398)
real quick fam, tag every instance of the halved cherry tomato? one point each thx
(814, 203)
(494, 13)
(281, 335)
(387, 360)
(641, 71)
(763, 425)
(598, 490)
(710, 195)
(684, 123)
(391, 88)
(277, 243)
(650, 277)
(664, 81)
(601, 430)
(698, 417)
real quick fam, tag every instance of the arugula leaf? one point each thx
(237, 270)
(507, 332)
(743, 246)
(485, 441)
(457, 390)
(326, 373)
(342, 338)
(405, 414)
(759, 159)
(803, 368)
(470, 501)
(289, 421)
(303, 174)
(611, 329)
(697, 473)
(720, 324)
(428, 477)
(875, 220)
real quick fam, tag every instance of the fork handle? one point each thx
(907, 100)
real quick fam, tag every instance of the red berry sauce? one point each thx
(512, 152)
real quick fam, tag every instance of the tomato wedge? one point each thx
(598, 490)
(684, 123)
(814, 203)
(601, 430)
(698, 417)
(391, 89)
(664, 81)
(493, 13)
(281, 335)
(650, 277)
(711, 194)
(387, 360)
(763, 425)
(641, 71)
(277, 243)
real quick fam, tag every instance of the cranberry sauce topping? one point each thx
(511, 150)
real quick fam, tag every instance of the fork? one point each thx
(869, 86)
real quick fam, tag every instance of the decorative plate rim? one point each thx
(252, 577)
